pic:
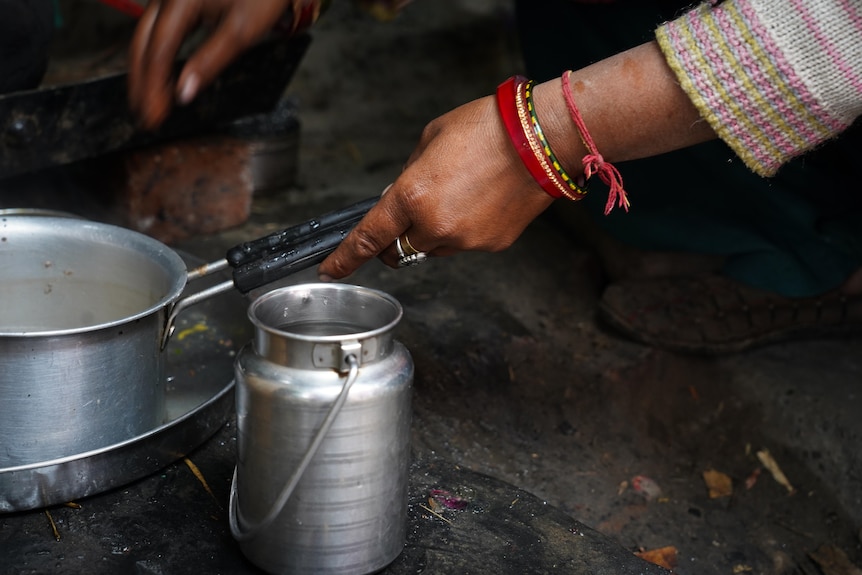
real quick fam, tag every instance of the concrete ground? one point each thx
(515, 377)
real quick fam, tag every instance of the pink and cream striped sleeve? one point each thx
(774, 78)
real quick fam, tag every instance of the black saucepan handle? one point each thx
(253, 250)
(280, 254)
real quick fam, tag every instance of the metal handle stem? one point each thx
(235, 515)
(174, 311)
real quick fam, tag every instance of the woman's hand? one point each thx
(235, 26)
(463, 188)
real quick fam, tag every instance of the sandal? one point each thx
(713, 315)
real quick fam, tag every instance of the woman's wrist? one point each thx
(578, 151)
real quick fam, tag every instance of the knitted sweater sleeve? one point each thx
(774, 78)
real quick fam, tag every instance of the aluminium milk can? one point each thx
(323, 422)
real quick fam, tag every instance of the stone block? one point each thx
(181, 189)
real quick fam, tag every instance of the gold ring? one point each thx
(408, 247)
(405, 258)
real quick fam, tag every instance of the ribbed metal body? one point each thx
(347, 513)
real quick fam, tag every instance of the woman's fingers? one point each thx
(373, 236)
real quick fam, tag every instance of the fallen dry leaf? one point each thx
(54, 529)
(833, 561)
(622, 487)
(663, 556)
(199, 476)
(769, 463)
(718, 483)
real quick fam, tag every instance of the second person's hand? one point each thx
(235, 26)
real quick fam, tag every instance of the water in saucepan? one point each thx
(30, 305)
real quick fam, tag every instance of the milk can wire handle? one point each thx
(234, 513)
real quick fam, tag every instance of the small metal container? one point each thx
(323, 421)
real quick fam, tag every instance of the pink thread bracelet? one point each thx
(594, 163)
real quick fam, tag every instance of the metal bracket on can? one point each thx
(334, 355)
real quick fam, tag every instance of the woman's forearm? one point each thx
(632, 106)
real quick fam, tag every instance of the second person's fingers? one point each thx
(173, 21)
(239, 29)
(137, 50)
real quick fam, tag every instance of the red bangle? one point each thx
(512, 104)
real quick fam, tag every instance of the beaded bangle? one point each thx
(523, 129)
(549, 154)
